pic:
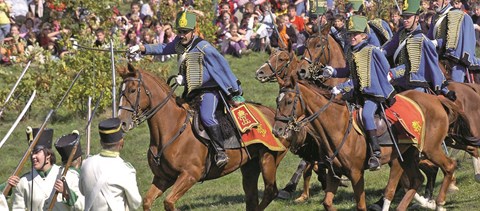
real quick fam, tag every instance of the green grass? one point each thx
(226, 193)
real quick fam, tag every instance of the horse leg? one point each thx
(411, 168)
(358, 185)
(157, 188)
(307, 175)
(321, 171)
(476, 166)
(269, 172)
(183, 183)
(447, 165)
(330, 191)
(250, 172)
(430, 171)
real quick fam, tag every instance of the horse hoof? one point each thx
(301, 199)
(452, 188)
(477, 177)
(284, 195)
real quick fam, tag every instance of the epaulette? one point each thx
(362, 61)
(454, 18)
(203, 46)
(377, 25)
(414, 50)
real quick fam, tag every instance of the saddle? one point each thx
(231, 141)
(383, 135)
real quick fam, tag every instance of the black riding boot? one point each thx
(216, 139)
(374, 161)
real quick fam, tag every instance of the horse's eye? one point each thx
(318, 46)
(132, 90)
(289, 102)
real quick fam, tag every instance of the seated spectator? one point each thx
(296, 21)
(147, 37)
(13, 46)
(223, 27)
(476, 22)
(121, 26)
(259, 37)
(159, 34)
(339, 31)
(234, 43)
(136, 24)
(28, 26)
(134, 10)
(149, 9)
(169, 34)
(396, 21)
(286, 37)
(5, 13)
(283, 9)
(425, 5)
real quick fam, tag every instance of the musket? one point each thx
(72, 153)
(65, 170)
(14, 87)
(27, 106)
(92, 113)
(37, 137)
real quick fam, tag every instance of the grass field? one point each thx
(226, 193)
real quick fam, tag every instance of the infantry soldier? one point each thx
(415, 56)
(107, 181)
(368, 84)
(207, 75)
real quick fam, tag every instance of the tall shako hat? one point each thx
(411, 7)
(44, 141)
(357, 23)
(66, 143)
(185, 20)
(110, 130)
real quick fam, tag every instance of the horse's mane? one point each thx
(321, 90)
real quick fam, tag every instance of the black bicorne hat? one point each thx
(45, 140)
(65, 144)
(110, 130)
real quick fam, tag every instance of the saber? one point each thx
(25, 109)
(275, 28)
(390, 132)
(15, 86)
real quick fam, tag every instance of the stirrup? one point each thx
(221, 159)
(373, 163)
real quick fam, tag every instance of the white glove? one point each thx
(435, 43)
(335, 90)
(389, 76)
(327, 71)
(179, 80)
(134, 49)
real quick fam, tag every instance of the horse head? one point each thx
(276, 66)
(135, 98)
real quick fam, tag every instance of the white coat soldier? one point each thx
(107, 181)
(69, 192)
(34, 190)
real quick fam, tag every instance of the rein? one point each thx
(276, 72)
(139, 118)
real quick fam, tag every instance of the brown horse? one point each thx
(300, 102)
(176, 157)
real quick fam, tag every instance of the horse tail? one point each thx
(459, 126)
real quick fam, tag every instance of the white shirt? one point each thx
(119, 190)
(43, 191)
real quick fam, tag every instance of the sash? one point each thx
(93, 194)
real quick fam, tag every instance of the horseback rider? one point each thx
(454, 36)
(415, 56)
(205, 72)
(368, 84)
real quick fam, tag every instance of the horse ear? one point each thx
(326, 29)
(131, 68)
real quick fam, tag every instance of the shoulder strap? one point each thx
(93, 195)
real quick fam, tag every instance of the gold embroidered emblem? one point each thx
(261, 130)
(183, 20)
(350, 23)
(416, 126)
(414, 49)
(362, 60)
(405, 5)
(243, 117)
(454, 18)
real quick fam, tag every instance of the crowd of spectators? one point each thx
(242, 26)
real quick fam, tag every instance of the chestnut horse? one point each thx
(176, 157)
(467, 100)
(300, 102)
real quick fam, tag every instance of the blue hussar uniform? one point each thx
(206, 73)
(368, 84)
(381, 29)
(454, 34)
(415, 57)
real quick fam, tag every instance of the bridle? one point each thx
(324, 50)
(275, 71)
(139, 116)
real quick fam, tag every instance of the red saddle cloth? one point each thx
(406, 116)
(255, 128)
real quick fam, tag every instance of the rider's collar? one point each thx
(360, 45)
(445, 10)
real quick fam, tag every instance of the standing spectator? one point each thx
(300, 7)
(134, 10)
(476, 22)
(136, 24)
(339, 31)
(425, 5)
(5, 10)
(107, 181)
(396, 21)
(100, 41)
(149, 9)
(295, 20)
(283, 9)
